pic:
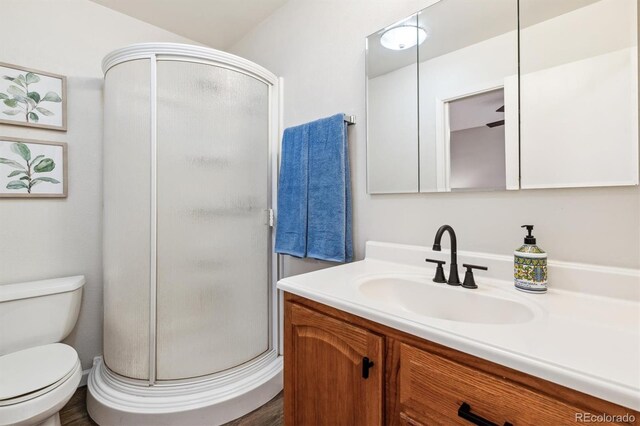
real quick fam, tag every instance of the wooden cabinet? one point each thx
(434, 389)
(333, 371)
(413, 382)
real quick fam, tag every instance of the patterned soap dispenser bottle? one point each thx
(530, 265)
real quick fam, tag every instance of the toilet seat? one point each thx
(37, 382)
(34, 371)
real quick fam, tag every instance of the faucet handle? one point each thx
(469, 281)
(439, 278)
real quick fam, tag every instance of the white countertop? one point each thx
(584, 341)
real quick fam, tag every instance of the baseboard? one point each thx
(85, 377)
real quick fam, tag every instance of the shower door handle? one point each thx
(366, 365)
(270, 218)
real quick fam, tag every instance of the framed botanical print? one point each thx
(32, 169)
(32, 98)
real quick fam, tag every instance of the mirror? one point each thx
(468, 96)
(579, 93)
(567, 118)
(392, 111)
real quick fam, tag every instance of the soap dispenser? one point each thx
(530, 265)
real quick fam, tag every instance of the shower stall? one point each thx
(190, 307)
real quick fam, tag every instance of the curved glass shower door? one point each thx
(213, 239)
(127, 230)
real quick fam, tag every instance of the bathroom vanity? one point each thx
(378, 342)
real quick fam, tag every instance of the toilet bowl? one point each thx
(38, 375)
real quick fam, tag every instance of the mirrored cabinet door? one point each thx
(392, 108)
(511, 94)
(468, 96)
(579, 93)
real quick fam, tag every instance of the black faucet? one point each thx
(454, 279)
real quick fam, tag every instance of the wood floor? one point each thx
(75, 412)
(270, 414)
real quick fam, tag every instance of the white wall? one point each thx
(477, 158)
(318, 47)
(51, 238)
(602, 96)
(393, 126)
(570, 76)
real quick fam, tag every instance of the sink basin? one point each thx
(452, 303)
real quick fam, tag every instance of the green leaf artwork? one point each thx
(24, 100)
(22, 150)
(45, 165)
(32, 78)
(39, 164)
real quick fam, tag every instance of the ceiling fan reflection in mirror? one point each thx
(499, 122)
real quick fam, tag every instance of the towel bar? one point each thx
(350, 119)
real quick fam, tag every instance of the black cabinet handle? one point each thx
(465, 412)
(366, 365)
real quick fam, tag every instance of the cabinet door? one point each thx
(578, 93)
(324, 374)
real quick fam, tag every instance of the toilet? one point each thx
(38, 375)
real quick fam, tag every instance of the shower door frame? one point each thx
(155, 52)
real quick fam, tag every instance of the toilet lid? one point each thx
(33, 369)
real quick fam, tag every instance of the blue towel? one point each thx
(291, 229)
(314, 192)
(329, 215)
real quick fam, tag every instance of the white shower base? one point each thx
(212, 400)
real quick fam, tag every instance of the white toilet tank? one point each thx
(38, 312)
